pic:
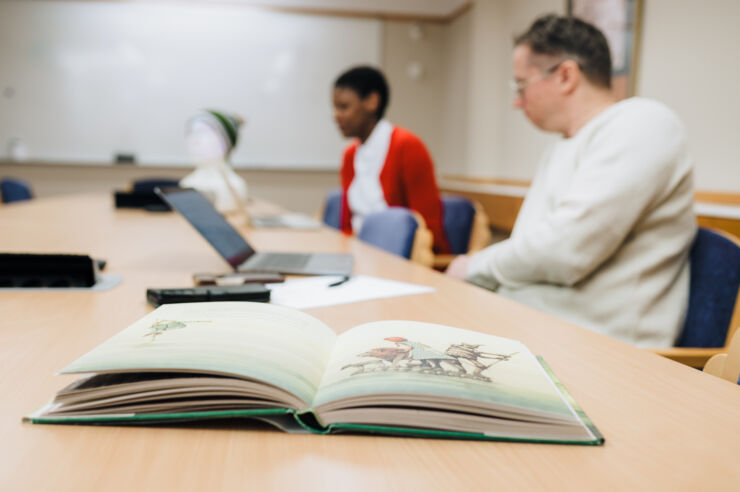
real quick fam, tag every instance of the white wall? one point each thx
(523, 143)
(498, 141)
(417, 104)
(414, 102)
(435, 106)
(82, 81)
(455, 100)
(688, 58)
(486, 91)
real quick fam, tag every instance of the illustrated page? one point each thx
(407, 357)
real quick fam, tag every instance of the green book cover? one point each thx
(186, 362)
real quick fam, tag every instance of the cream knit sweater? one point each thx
(603, 236)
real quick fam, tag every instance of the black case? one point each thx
(147, 200)
(47, 270)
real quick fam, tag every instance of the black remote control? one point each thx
(210, 293)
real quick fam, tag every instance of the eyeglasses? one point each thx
(518, 86)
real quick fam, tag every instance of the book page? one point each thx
(277, 345)
(410, 361)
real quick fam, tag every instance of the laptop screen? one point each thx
(205, 218)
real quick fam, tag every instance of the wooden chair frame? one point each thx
(421, 251)
(726, 366)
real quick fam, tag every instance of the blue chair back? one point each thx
(14, 190)
(392, 229)
(333, 209)
(148, 185)
(457, 218)
(715, 278)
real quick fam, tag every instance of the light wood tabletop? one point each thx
(667, 427)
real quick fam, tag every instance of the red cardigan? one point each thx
(407, 180)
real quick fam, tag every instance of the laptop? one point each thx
(201, 214)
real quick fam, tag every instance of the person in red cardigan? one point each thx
(386, 165)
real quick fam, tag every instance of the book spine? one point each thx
(310, 422)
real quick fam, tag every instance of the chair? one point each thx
(333, 209)
(466, 228)
(726, 366)
(14, 190)
(457, 220)
(147, 185)
(399, 231)
(713, 313)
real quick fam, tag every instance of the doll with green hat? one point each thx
(210, 137)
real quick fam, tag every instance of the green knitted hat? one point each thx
(230, 124)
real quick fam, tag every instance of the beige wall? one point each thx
(427, 106)
(499, 141)
(414, 101)
(688, 59)
(523, 142)
(455, 99)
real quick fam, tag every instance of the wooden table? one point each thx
(667, 427)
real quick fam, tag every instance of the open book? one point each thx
(240, 359)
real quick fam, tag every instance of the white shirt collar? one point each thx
(378, 141)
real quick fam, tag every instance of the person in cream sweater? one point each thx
(603, 237)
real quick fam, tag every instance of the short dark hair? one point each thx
(365, 80)
(573, 38)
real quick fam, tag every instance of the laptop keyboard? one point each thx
(284, 260)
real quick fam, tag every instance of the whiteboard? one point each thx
(83, 81)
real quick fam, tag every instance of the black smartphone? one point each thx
(247, 292)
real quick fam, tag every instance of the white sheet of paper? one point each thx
(311, 292)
